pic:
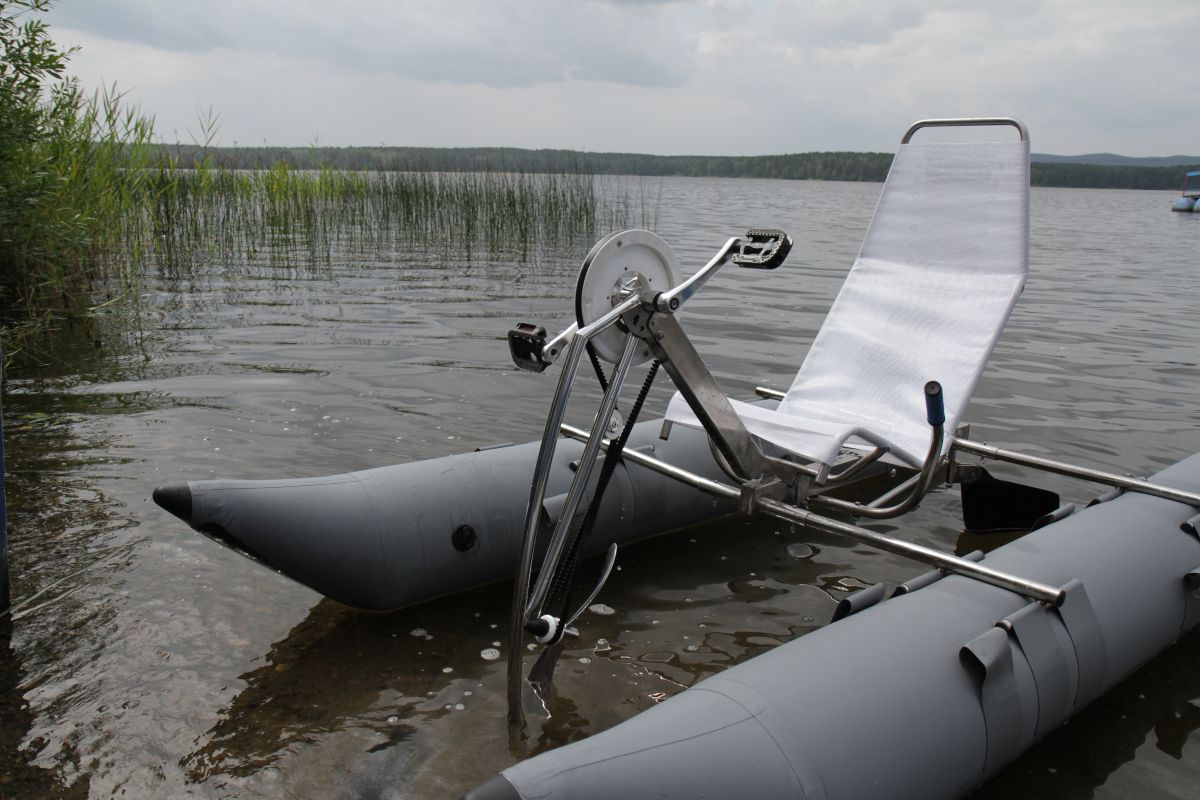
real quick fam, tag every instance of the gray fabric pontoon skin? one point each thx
(382, 539)
(923, 695)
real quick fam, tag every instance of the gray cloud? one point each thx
(715, 76)
(503, 43)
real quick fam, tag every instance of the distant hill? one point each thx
(1101, 171)
(1114, 160)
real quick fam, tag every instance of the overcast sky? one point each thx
(721, 77)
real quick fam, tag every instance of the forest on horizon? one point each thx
(833, 166)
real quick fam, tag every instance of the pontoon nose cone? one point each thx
(176, 498)
(495, 789)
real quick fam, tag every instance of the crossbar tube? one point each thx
(951, 563)
(1072, 471)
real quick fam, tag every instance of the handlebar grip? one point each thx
(935, 409)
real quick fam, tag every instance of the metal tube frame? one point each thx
(1072, 471)
(537, 496)
(579, 483)
(917, 485)
(1032, 589)
(963, 122)
(874, 510)
(704, 395)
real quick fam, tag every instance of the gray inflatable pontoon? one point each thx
(382, 539)
(923, 695)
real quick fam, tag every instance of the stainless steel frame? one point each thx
(790, 513)
(541, 476)
(966, 122)
(765, 482)
(1071, 471)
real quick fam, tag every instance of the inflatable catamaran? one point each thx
(1003, 647)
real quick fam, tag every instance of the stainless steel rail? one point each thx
(537, 496)
(951, 563)
(963, 122)
(1072, 471)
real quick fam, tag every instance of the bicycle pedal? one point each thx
(526, 343)
(763, 248)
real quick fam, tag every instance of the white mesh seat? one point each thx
(942, 265)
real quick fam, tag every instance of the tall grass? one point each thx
(288, 213)
(66, 194)
(68, 189)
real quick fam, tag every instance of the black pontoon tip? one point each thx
(176, 498)
(496, 789)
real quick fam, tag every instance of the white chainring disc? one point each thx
(613, 262)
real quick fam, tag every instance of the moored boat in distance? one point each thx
(1191, 192)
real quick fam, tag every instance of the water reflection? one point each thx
(19, 777)
(339, 668)
(385, 681)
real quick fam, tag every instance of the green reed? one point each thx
(67, 195)
(208, 212)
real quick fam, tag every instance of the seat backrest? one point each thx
(942, 265)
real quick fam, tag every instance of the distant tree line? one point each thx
(832, 166)
(1099, 176)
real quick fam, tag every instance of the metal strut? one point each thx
(1072, 471)
(522, 602)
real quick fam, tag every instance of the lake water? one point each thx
(144, 660)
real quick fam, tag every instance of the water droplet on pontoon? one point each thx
(799, 550)
(418, 632)
(489, 654)
(601, 609)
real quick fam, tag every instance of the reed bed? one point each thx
(89, 204)
(290, 215)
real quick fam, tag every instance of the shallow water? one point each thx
(145, 660)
